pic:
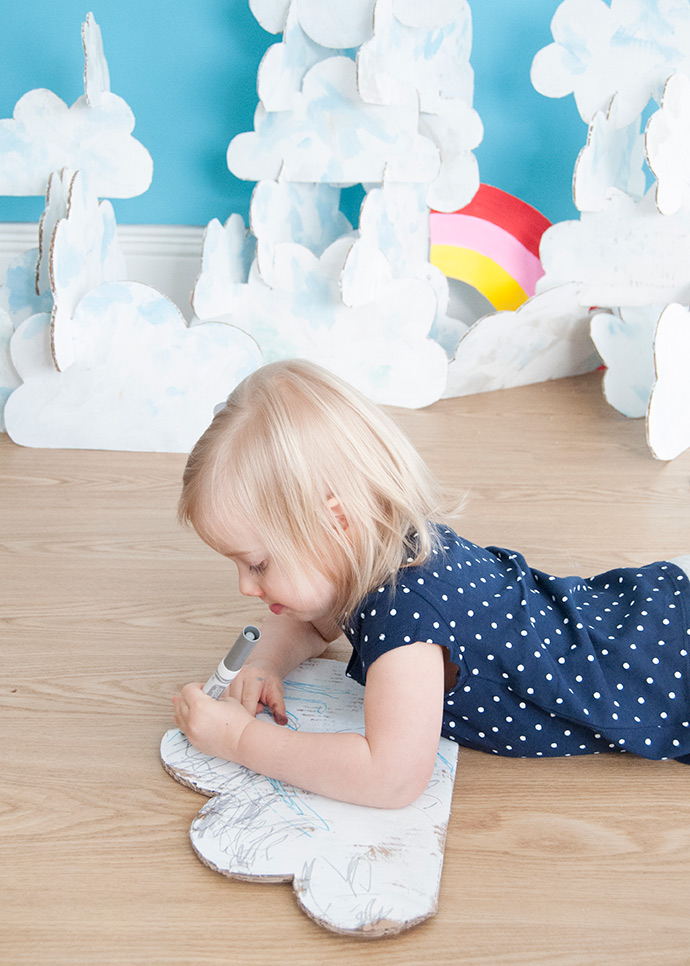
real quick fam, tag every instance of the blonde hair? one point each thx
(293, 437)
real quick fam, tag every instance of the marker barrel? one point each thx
(230, 666)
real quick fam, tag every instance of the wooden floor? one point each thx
(108, 607)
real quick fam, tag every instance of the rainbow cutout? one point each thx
(491, 244)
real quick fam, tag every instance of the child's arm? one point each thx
(389, 767)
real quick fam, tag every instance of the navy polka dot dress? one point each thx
(549, 666)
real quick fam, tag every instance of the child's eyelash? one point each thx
(258, 568)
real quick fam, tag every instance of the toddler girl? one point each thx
(334, 521)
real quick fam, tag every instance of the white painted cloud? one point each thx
(627, 48)
(333, 25)
(546, 338)
(337, 24)
(271, 14)
(46, 135)
(284, 66)
(395, 222)
(431, 13)
(141, 379)
(226, 256)
(18, 296)
(668, 145)
(432, 58)
(613, 158)
(625, 343)
(96, 73)
(626, 254)
(9, 378)
(305, 144)
(94, 135)
(379, 342)
(295, 212)
(668, 419)
(83, 252)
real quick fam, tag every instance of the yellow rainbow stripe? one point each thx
(480, 271)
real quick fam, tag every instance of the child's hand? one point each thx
(213, 726)
(259, 685)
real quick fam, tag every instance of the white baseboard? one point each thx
(168, 257)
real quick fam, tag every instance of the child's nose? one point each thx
(249, 586)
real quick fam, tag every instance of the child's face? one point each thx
(307, 596)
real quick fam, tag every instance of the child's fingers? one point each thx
(248, 692)
(183, 703)
(276, 702)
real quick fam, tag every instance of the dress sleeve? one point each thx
(388, 619)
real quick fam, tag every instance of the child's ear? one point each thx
(337, 510)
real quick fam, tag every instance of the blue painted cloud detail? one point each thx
(305, 145)
(547, 337)
(226, 257)
(433, 57)
(45, 135)
(284, 65)
(613, 158)
(628, 48)
(625, 343)
(379, 342)
(18, 295)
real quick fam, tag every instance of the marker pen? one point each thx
(230, 666)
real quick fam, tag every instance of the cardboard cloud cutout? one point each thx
(431, 60)
(625, 343)
(668, 145)
(668, 419)
(284, 65)
(93, 135)
(379, 342)
(9, 378)
(546, 338)
(83, 253)
(19, 295)
(303, 144)
(140, 380)
(271, 14)
(432, 57)
(349, 865)
(227, 254)
(626, 254)
(96, 73)
(613, 158)
(336, 24)
(628, 49)
(292, 212)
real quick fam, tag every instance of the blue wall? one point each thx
(188, 71)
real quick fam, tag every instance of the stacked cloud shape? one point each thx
(627, 253)
(94, 135)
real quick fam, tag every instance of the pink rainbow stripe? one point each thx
(466, 231)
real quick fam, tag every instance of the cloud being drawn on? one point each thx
(345, 862)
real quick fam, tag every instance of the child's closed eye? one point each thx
(259, 568)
